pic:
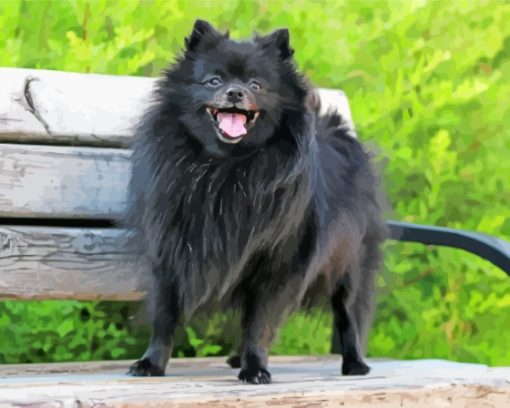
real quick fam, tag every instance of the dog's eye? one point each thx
(255, 85)
(214, 81)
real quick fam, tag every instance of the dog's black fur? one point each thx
(258, 222)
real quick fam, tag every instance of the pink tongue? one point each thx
(232, 123)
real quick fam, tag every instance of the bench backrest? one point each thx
(64, 170)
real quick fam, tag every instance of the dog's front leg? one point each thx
(166, 313)
(263, 312)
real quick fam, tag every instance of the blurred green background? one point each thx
(428, 84)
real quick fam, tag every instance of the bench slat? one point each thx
(68, 263)
(64, 107)
(84, 109)
(62, 182)
(306, 381)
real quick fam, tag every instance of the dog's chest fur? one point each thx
(216, 216)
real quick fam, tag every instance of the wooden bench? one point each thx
(64, 169)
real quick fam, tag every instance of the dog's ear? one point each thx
(203, 32)
(279, 41)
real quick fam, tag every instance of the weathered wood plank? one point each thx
(60, 107)
(63, 182)
(298, 382)
(84, 109)
(68, 263)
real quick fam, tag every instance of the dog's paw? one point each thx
(355, 368)
(234, 361)
(255, 375)
(144, 368)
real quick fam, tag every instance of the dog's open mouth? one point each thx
(232, 123)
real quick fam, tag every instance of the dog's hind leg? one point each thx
(347, 329)
(362, 306)
(353, 301)
(235, 360)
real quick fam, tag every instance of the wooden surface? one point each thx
(68, 263)
(84, 109)
(63, 182)
(60, 107)
(297, 382)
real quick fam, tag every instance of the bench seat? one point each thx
(298, 382)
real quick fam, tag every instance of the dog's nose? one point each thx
(235, 94)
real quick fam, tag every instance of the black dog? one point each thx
(242, 193)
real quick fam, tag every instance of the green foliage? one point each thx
(428, 84)
(60, 331)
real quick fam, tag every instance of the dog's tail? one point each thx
(329, 118)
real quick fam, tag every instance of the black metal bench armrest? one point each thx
(486, 246)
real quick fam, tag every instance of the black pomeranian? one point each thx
(242, 194)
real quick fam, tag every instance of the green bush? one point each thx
(428, 84)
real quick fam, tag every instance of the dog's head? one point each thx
(234, 93)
